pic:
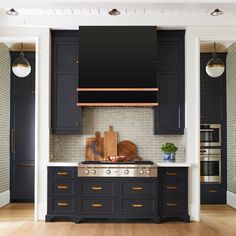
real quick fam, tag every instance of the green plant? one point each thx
(169, 148)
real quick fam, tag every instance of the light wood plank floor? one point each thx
(216, 220)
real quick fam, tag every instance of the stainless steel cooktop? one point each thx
(117, 169)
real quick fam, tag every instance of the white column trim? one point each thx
(231, 199)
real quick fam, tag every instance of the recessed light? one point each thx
(217, 12)
(114, 12)
(12, 12)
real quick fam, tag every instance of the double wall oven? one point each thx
(210, 152)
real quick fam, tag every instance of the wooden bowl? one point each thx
(117, 158)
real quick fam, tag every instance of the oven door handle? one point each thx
(207, 130)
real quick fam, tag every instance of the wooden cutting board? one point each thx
(128, 149)
(110, 143)
(94, 148)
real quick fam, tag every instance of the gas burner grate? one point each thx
(122, 163)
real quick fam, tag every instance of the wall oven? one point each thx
(211, 165)
(210, 135)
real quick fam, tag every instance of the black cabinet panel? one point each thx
(173, 192)
(131, 188)
(22, 134)
(118, 97)
(66, 116)
(169, 116)
(213, 194)
(22, 182)
(97, 206)
(137, 206)
(63, 173)
(63, 187)
(61, 205)
(172, 206)
(97, 188)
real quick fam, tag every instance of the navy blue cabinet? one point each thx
(117, 198)
(66, 116)
(173, 193)
(169, 116)
(22, 133)
(213, 111)
(62, 190)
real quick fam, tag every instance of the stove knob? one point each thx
(86, 172)
(108, 171)
(148, 172)
(93, 172)
(126, 172)
(141, 172)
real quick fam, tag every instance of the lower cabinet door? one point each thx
(172, 206)
(137, 206)
(97, 206)
(61, 205)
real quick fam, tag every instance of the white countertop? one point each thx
(173, 164)
(52, 163)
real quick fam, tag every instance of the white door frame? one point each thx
(16, 39)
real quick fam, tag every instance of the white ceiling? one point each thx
(71, 13)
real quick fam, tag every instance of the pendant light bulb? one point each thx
(21, 66)
(215, 66)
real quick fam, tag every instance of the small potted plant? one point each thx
(169, 150)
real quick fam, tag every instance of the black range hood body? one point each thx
(117, 57)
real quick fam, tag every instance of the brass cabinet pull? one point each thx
(171, 173)
(62, 173)
(171, 187)
(172, 204)
(137, 188)
(13, 140)
(213, 190)
(96, 205)
(62, 186)
(137, 205)
(63, 204)
(99, 188)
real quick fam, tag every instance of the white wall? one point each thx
(41, 37)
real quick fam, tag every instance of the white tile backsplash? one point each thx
(131, 123)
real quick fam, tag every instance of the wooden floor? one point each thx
(215, 220)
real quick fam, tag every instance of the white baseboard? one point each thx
(193, 212)
(4, 198)
(42, 211)
(231, 199)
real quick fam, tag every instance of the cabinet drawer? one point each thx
(62, 187)
(137, 206)
(62, 172)
(171, 188)
(96, 189)
(61, 205)
(137, 188)
(172, 173)
(213, 194)
(97, 206)
(172, 206)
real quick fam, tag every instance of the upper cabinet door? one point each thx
(170, 114)
(66, 116)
